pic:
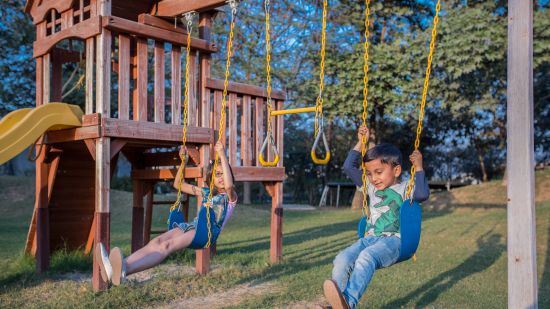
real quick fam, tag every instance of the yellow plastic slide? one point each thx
(21, 128)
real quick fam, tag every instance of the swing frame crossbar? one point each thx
(292, 111)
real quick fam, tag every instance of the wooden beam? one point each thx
(165, 174)
(522, 254)
(254, 173)
(89, 96)
(116, 147)
(244, 89)
(124, 76)
(178, 7)
(87, 29)
(130, 27)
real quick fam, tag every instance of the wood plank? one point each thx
(56, 77)
(103, 73)
(90, 241)
(244, 89)
(124, 76)
(159, 82)
(522, 254)
(158, 22)
(232, 132)
(246, 132)
(39, 81)
(178, 7)
(39, 9)
(165, 173)
(84, 30)
(259, 128)
(137, 214)
(102, 234)
(280, 134)
(216, 113)
(153, 131)
(176, 84)
(67, 19)
(140, 107)
(46, 60)
(103, 177)
(276, 234)
(193, 89)
(254, 173)
(89, 96)
(130, 27)
(72, 134)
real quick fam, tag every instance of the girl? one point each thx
(114, 267)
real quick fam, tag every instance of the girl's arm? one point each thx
(185, 187)
(227, 177)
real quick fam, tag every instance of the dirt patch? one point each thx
(230, 297)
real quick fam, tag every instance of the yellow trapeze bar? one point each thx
(293, 111)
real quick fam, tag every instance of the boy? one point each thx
(355, 265)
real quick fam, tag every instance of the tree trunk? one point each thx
(357, 201)
(485, 178)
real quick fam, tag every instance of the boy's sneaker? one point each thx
(106, 270)
(119, 266)
(334, 296)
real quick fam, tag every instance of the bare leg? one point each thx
(158, 249)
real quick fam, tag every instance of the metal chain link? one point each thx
(365, 105)
(221, 133)
(189, 24)
(424, 94)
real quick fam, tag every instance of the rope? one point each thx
(189, 19)
(365, 106)
(233, 4)
(424, 94)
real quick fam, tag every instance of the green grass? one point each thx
(461, 259)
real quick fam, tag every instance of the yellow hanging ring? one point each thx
(320, 134)
(269, 140)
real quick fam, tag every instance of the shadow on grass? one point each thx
(21, 271)
(489, 250)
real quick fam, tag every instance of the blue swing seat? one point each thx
(410, 217)
(201, 230)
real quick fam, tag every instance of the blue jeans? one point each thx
(355, 265)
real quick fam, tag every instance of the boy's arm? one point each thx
(227, 177)
(185, 187)
(352, 167)
(421, 189)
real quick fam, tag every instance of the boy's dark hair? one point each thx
(387, 153)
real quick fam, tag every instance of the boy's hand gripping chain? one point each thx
(233, 5)
(269, 139)
(183, 157)
(319, 120)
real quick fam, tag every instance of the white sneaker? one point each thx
(104, 264)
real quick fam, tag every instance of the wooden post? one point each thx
(103, 144)
(148, 216)
(43, 217)
(89, 106)
(140, 107)
(159, 82)
(176, 84)
(202, 257)
(522, 266)
(275, 189)
(247, 144)
(124, 77)
(137, 214)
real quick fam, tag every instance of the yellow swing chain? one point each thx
(319, 119)
(189, 23)
(221, 133)
(424, 95)
(269, 140)
(365, 105)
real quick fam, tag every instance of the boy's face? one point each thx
(382, 175)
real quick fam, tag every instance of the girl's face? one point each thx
(218, 178)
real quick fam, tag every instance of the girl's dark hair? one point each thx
(210, 172)
(387, 153)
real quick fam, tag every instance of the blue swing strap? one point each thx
(201, 230)
(410, 217)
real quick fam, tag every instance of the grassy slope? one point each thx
(461, 260)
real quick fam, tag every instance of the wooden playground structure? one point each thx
(74, 168)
